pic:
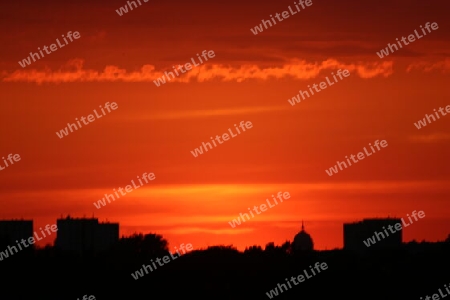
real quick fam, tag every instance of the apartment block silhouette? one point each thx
(12, 230)
(357, 232)
(85, 235)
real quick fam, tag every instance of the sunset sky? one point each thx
(251, 78)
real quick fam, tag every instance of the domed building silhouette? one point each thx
(302, 241)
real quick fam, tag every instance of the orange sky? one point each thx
(250, 78)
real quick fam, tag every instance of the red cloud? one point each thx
(298, 69)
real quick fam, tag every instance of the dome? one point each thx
(302, 241)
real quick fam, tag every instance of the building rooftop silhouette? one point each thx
(12, 230)
(357, 232)
(302, 241)
(85, 235)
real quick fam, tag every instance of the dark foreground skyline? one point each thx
(143, 266)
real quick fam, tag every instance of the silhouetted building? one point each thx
(302, 241)
(373, 234)
(12, 230)
(85, 236)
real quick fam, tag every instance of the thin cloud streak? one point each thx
(430, 138)
(424, 66)
(73, 71)
(168, 190)
(176, 115)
